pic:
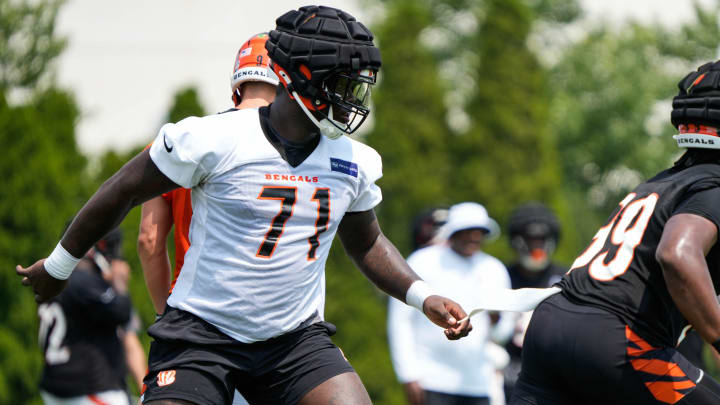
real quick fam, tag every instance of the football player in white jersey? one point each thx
(270, 188)
(253, 85)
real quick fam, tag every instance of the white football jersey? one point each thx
(261, 229)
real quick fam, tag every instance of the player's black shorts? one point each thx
(575, 354)
(191, 360)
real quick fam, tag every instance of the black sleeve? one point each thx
(96, 300)
(705, 203)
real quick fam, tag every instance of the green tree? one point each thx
(28, 42)
(610, 109)
(45, 183)
(44, 179)
(410, 130)
(185, 104)
(508, 155)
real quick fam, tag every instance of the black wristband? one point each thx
(716, 345)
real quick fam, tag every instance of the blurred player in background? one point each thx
(271, 188)
(649, 274)
(84, 333)
(434, 371)
(426, 225)
(534, 232)
(253, 85)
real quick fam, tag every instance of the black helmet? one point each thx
(534, 232)
(696, 108)
(325, 59)
(533, 219)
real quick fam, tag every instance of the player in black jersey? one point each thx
(84, 358)
(534, 232)
(649, 273)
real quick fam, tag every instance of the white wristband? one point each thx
(417, 293)
(60, 263)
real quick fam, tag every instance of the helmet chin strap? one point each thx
(326, 127)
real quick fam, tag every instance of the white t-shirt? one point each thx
(261, 229)
(421, 352)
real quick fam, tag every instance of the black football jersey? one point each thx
(543, 278)
(78, 335)
(618, 270)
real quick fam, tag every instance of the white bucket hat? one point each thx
(468, 215)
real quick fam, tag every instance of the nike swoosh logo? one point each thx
(167, 148)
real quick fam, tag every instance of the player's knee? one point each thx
(146, 243)
(347, 387)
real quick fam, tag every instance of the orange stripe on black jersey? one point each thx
(670, 392)
(657, 367)
(636, 344)
(664, 378)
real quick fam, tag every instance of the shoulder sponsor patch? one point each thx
(343, 166)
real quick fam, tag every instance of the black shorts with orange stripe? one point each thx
(575, 354)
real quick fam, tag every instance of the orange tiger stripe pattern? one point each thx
(666, 380)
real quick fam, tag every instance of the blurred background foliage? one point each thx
(495, 101)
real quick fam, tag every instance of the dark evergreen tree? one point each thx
(45, 182)
(508, 155)
(410, 132)
(185, 104)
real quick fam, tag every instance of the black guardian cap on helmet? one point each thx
(524, 216)
(325, 59)
(696, 108)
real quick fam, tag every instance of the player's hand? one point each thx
(414, 393)
(43, 284)
(445, 312)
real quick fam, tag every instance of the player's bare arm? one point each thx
(383, 264)
(136, 182)
(685, 242)
(155, 224)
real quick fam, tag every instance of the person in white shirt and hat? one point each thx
(432, 371)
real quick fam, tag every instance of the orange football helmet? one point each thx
(252, 64)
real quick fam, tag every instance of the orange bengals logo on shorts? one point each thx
(165, 378)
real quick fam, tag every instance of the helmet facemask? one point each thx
(342, 104)
(348, 100)
(534, 246)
